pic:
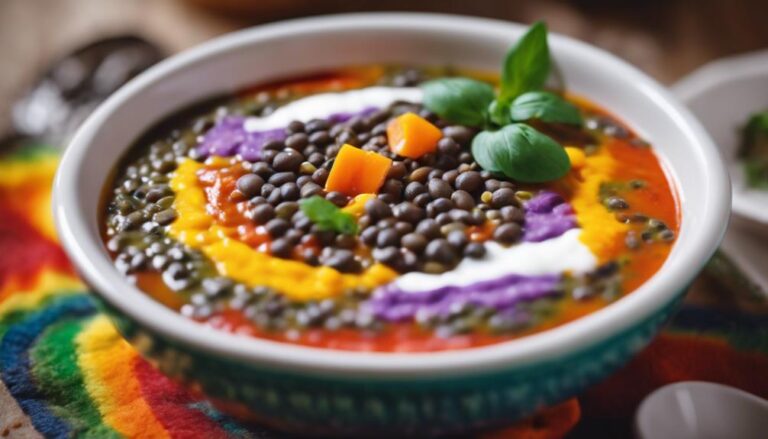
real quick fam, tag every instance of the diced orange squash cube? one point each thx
(412, 136)
(355, 171)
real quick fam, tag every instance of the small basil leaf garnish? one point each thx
(459, 100)
(515, 150)
(327, 216)
(544, 106)
(522, 153)
(526, 66)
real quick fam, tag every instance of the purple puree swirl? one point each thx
(547, 216)
(501, 294)
(229, 137)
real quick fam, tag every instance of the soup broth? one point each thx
(337, 211)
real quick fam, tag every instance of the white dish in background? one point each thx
(723, 95)
(696, 409)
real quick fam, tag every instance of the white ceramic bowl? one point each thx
(305, 388)
(723, 95)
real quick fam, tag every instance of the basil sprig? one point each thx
(328, 216)
(508, 145)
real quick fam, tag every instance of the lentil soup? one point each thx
(339, 211)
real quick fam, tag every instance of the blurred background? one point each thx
(665, 38)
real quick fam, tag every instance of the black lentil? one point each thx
(277, 227)
(297, 141)
(409, 212)
(337, 198)
(281, 178)
(440, 251)
(263, 213)
(414, 242)
(439, 188)
(165, 217)
(288, 160)
(507, 233)
(463, 200)
(469, 181)
(475, 250)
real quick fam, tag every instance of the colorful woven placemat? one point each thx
(66, 372)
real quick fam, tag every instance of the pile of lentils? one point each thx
(418, 220)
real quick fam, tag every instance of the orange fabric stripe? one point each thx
(106, 361)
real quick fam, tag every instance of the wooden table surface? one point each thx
(666, 39)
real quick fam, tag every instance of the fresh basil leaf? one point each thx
(544, 106)
(459, 100)
(522, 153)
(754, 151)
(327, 216)
(484, 150)
(756, 173)
(498, 113)
(526, 66)
(754, 139)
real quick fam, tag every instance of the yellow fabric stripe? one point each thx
(36, 175)
(47, 283)
(18, 172)
(107, 362)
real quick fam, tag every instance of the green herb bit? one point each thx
(754, 151)
(328, 216)
(756, 173)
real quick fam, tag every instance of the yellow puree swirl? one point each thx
(232, 258)
(600, 231)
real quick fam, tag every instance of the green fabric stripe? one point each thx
(16, 315)
(31, 151)
(55, 367)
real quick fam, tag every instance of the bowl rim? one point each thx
(90, 259)
(724, 72)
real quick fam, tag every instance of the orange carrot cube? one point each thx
(355, 171)
(412, 136)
